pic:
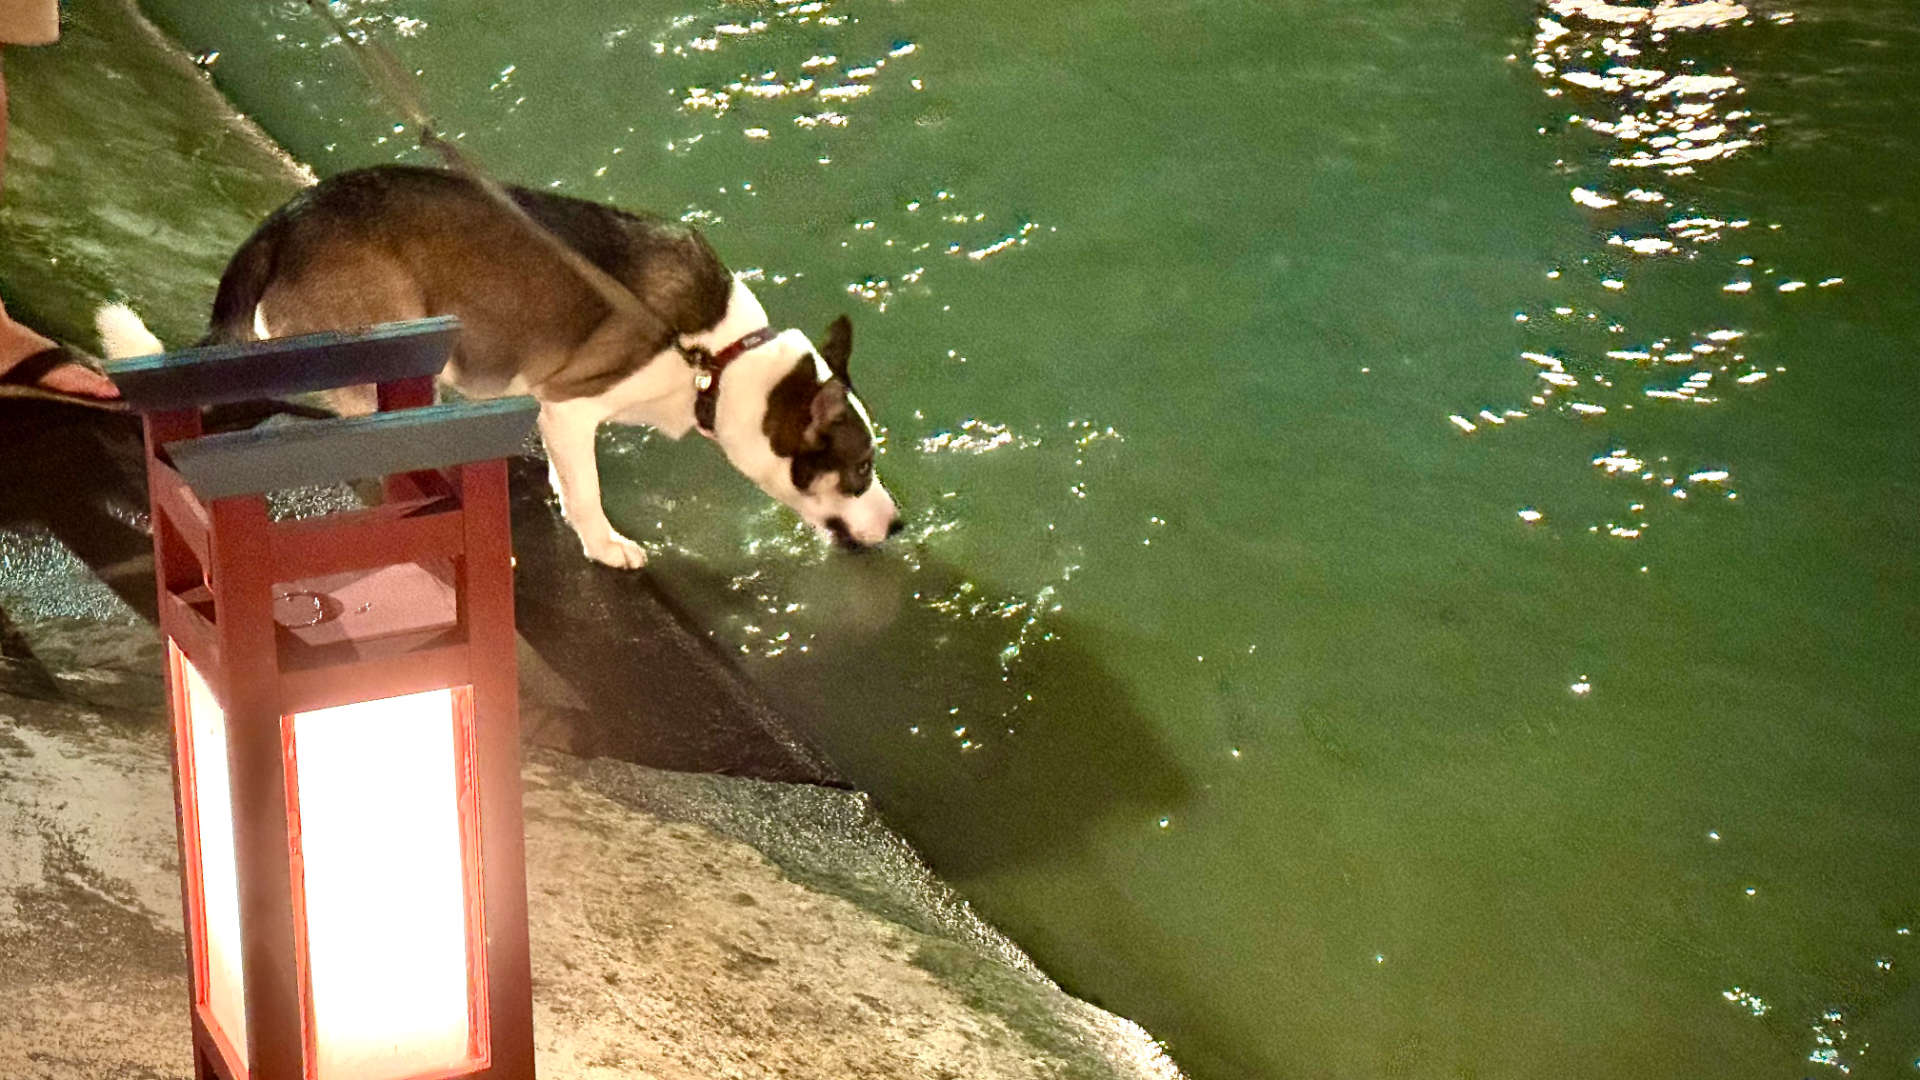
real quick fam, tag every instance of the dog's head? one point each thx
(815, 443)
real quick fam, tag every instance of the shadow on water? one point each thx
(646, 685)
(1013, 722)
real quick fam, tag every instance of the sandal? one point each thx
(22, 380)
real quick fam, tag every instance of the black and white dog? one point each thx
(396, 242)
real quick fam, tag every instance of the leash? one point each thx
(401, 90)
(397, 86)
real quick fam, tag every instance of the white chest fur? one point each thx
(660, 393)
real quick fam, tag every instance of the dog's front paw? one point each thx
(616, 551)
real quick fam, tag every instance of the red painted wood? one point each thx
(473, 865)
(213, 1059)
(187, 825)
(422, 486)
(290, 758)
(194, 636)
(171, 497)
(362, 540)
(172, 560)
(405, 393)
(486, 587)
(242, 580)
(390, 676)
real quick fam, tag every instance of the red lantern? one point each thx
(345, 713)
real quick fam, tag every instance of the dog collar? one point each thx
(707, 367)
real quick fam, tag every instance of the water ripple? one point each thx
(825, 84)
(1649, 133)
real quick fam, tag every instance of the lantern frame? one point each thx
(432, 559)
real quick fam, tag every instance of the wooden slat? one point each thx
(209, 1050)
(169, 493)
(416, 486)
(176, 564)
(195, 636)
(487, 609)
(352, 448)
(363, 539)
(407, 672)
(276, 367)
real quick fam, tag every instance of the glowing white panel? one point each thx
(385, 887)
(224, 993)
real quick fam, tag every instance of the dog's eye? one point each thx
(861, 476)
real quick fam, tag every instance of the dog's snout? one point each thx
(845, 537)
(842, 535)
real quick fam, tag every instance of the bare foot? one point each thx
(78, 380)
(63, 372)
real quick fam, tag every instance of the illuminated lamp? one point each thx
(344, 702)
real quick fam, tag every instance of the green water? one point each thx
(1219, 665)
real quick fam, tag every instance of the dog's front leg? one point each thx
(567, 429)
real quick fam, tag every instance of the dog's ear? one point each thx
(838, 346)
(829, 404)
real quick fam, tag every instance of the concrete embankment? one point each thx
(683, 924)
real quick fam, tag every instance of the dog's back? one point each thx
(399, 242)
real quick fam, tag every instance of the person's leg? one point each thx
(18, 343)
(3, 124)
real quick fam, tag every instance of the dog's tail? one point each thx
(244, 282)
(123, 334)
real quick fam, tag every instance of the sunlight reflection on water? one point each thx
(1649, 130)
(796, 81)
(779, 627)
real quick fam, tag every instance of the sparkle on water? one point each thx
(1213, 349)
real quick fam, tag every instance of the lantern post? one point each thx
(345, 712)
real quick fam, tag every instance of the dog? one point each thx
(402, 242)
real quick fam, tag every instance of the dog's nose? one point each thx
(894, 527)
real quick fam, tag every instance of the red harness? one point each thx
(707, 367)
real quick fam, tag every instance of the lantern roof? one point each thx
(325, 451)
(276, 367)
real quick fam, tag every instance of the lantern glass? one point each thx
(383, 846)
(213, 883)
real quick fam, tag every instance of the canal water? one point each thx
(1412, 505)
